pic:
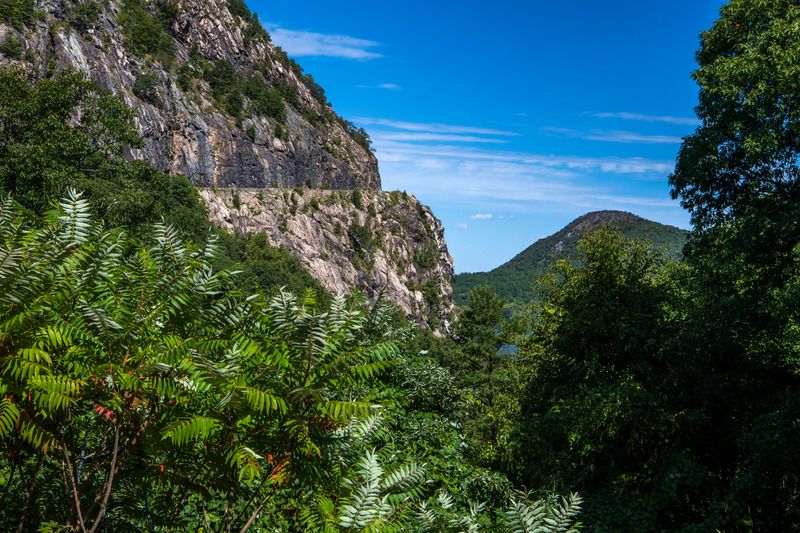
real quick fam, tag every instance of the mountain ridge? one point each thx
(512, 279)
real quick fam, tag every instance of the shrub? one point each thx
(238, 95)
(17, 13)
(361, 239)
(146, 89)
(355, 197)
(145, 33)
(11, 48)
(239, 8)
(359, 135)
(84, 16)
(254, 29)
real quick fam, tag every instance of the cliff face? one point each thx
(378, 241)
(255, 125)
(215, 100)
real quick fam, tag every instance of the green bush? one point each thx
(145, 87)
(84, 16)
(254, 29)
(17, 13)
(361, 239)
(11, 48)
(240, 95)
(355, 197)
(145, 33)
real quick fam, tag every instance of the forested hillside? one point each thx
(513, 280)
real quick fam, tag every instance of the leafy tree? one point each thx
(738, 176)
(136, 373)
(490, 375)
(85, 15)
(145, 87)
(160, 397)
(598, 403)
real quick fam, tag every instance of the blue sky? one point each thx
(509, 118)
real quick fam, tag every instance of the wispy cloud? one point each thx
(384, 86)
(463, 227)
(433, 137)
(567, 164)
(482, 216)
(496, 179)
(623, 115)
(299, 43)
(432, 127)
(615, 136)
(631, 137)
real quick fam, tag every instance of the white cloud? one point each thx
(623, 115)
(517, 181)
(462, 227)
(482, 216)
(631, 137)
(623, 165)
(310, 44)
(389, 86)
(432, 127)
(438, 137)
(628, 137)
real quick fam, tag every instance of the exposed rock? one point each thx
(391, 243)
(190, 128)
(188, 132)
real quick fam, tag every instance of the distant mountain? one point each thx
(512, 280)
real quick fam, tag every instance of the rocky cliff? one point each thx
(382, 242)
(216, 100)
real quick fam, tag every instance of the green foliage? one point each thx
(17, 13)
(738, 176)
(146, 33)
(248, 94)
(358, 134)
(597, 402)
(361, 239)
(482, 368)
(145, 87)
(316, 90)
(356, 198)
(513, 280)
(160, 363)
(264, 267)
(85, 15)
(11, 48)
(254, 29)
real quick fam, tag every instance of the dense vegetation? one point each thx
(165, 398)
(43, 152)
(146, 386)
(17, 13)
(513, 280)
(146, 33)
